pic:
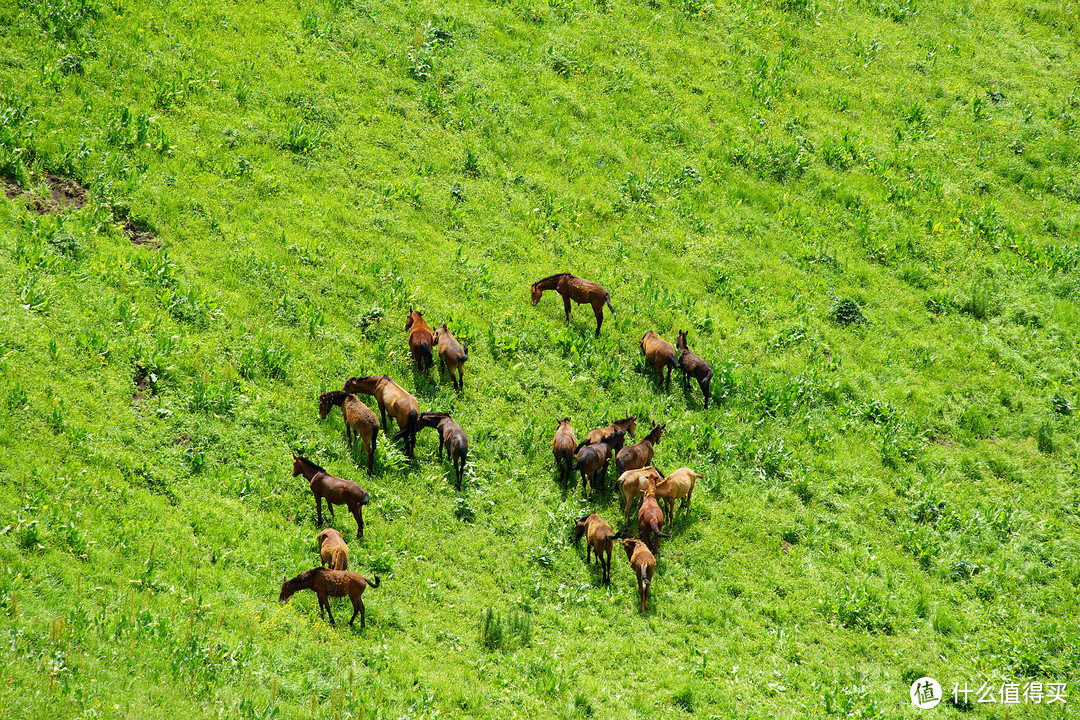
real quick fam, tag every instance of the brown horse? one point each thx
(359, 420)
(328, 584)
(388, 394)
(334, 489)
(639, 454)
(580, 291)
(451, 435)
(660, 353)
(421, 340)
(628, 425)
(452, 355)
(643, 564)
(633, 483)
(693, 366)
(600, 541)
(651, 519)
(563, 448)
(593, 459)
(333, 550)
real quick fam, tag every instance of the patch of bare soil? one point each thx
(140, 233)
(64, 194)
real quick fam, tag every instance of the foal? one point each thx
(421, 340)
(328, 584)
(580, 291)
(693, 366)
(332, 550)
(452, 355)
(334, 489)
(563, 448)
(639, 454)
(359, 420)
(661, 354)
(451, 435)
(388, 394)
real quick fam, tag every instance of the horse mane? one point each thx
(318, 468)
(655, 431)
(552, 277)
(626, 419)
(335, 396)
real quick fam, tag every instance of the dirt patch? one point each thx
(139, 233)
(944, 442)
(64, 194)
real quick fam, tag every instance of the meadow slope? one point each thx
(865, 214)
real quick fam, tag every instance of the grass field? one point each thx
(865, 214)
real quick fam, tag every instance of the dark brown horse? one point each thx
(389, 395)
(451, 435)
(580, 291)
(421, 340)
(593, 460)
(359, 420)
(693, 366)
(661, 354)
(330, 583)
(628, 425)
(563, 448)
(452, 355)
(334, 489)
(639, 454)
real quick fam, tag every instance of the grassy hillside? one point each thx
(865, 214)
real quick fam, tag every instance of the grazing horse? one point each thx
(333, 550)
(628, 425)
(334, 489)
(580, 291)
(639, 454)
(563, 448)
(328, 584)
(359, 420)
(693, 366)
(421, 339)
(600, 540)
(660, 353)
(633, 483)
(452, 355)
(388, 394)
(677, 485)
(651, 519)
(451, 435)
(643, 564)
(594, 458)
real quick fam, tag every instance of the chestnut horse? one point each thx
(628, 425)
(661, 354)
(639, 454)
(330, 583)
(421, 340)
(563, 448)
(334, 489)
(359, 420)
(388, 394)
(452, 355)
(580, 291)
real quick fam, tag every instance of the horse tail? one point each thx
(567, 457)
(425, 350)
(607, 299)
(644, 576)
(673, 361)
(578, 464)
(465, 350)
(411, 428)
(373, 583)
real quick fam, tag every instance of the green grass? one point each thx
(865, 216)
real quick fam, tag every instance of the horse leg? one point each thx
(598, 310)
(460, 377)
(566, 306)
(358, 514)
(705, 389)
(318, 507)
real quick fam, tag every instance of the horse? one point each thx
(389, 394)
(333, 550)
(600, 541)
(643, 564)
(633, 483)
(593, 458)
(628, 425)
(580, 291)
(334, 489)
(451, 435)
(421, 340)
(651, 519)
(328, 584)
(661, 354)
(452, 355)
(639, 454)
(693, 366)
(563, 448)
(359, 420)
